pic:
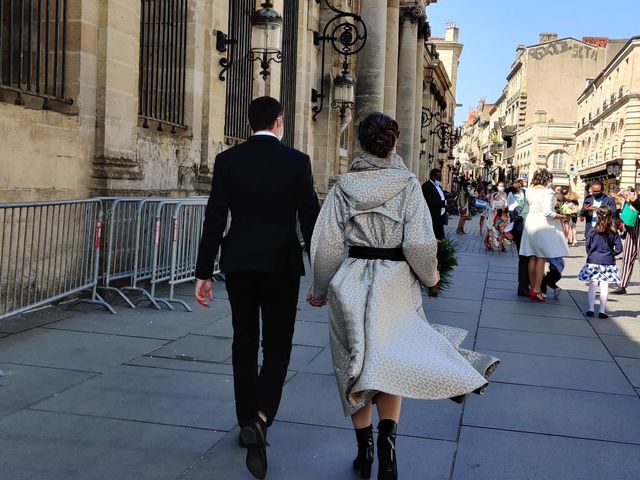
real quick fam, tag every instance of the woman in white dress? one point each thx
(543, 236)
(372, 247)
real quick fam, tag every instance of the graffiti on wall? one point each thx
(564, 47)
(601, 42)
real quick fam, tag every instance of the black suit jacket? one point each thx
(435, 204)
(607, 201)
(265, 186)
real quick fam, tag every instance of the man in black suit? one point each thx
(434, 195)
(594, 201)
(265, 186)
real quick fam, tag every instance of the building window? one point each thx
(289, 69)
(558, 161)
(240, 77)
(163, 54)
(33, 49)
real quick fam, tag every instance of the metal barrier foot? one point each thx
(119, 294)
(147, 296)
(98, 300)
(169, 301)
(165, 303)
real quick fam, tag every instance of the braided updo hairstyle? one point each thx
(378, 134)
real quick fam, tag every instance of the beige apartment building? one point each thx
(532, 124)
(137, 97)
(608, 129)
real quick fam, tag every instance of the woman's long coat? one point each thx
(381, 340)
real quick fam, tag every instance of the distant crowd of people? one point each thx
(541, 220)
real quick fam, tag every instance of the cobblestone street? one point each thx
(149, 395)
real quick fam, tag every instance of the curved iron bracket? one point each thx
(222, 41)
(347, 34)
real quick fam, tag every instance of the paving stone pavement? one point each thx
(149, 395)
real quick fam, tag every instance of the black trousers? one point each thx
(274, 298)
(523, 264)
(551, 279)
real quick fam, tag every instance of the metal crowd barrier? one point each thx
(176, 248)
(49, 251)
(119, 246)
(128, 247)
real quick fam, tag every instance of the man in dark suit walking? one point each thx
(434, 195)
(594, 201)
(265, 186)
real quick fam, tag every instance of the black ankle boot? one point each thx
(387, 466)
(364, 460)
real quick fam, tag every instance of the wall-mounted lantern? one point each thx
(347, 34)
(266, 37)
(343, 93)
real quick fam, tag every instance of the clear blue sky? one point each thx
(492, 29)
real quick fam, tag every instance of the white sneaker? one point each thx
(557, 292)
(543, 295)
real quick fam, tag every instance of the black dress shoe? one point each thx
(523, 293)
(589, 313)
(619, 291)
(254, 436)
(603, 315)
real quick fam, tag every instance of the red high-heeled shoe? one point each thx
(536, 296)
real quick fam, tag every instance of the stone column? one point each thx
(417, 114)
(370, 76)
(391, 63)
(407, 68)
(118, 50)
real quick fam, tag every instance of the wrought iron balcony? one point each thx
(509, 131)
(495, 148)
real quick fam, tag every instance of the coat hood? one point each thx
(369, 189)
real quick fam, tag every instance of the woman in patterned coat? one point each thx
(372, 247)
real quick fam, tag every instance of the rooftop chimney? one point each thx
(548, 37)
(452, 33)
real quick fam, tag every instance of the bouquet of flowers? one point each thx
(447, 260)
(570, 209)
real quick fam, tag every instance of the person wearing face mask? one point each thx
(518, 209)
(265, 186)
(592, 203)
(497, 238)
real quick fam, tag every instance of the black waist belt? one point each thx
(370, 253)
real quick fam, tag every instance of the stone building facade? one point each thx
(149, 91)
(608, 127)
(532, 124)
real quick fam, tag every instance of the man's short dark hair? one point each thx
(597, 182)
(263, 113)
(433, 173)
